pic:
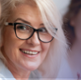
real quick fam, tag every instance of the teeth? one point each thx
(29, 52)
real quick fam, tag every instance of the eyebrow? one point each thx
(26, 21)
(22, 20)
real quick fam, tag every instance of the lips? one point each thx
(29, 52)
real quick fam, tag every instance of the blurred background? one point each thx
(62, 5)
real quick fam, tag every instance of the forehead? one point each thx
(25, 11)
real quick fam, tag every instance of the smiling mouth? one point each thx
(29, 52)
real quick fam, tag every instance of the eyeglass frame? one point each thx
(34, 30)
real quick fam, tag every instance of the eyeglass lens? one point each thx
(25, 31)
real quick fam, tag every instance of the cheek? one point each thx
(77, 29)
(8, 39)
(76, 23)
(78, 33)
(45, 49)
(10, 43)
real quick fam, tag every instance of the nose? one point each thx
(33, 40)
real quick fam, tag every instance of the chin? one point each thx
(32, 66)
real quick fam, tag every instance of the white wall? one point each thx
(62, 5)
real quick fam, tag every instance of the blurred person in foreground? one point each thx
(72, 29)
(32, 41)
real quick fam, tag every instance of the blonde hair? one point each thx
(50, 66)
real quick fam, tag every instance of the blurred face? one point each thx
(24, 54)
(76, 23)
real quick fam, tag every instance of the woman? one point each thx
(32, 40)
(72, 27)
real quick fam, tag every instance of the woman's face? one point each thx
(76, 23)
(14, 48)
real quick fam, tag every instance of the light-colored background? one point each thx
(62, 5)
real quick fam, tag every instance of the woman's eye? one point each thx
(43, 30)
(21, 27)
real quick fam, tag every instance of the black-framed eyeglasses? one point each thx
(24, 32)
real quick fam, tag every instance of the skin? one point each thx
(0, 9)
(75, 53)
(19, 64)
(76, 23)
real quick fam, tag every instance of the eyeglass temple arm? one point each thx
(6, 23)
